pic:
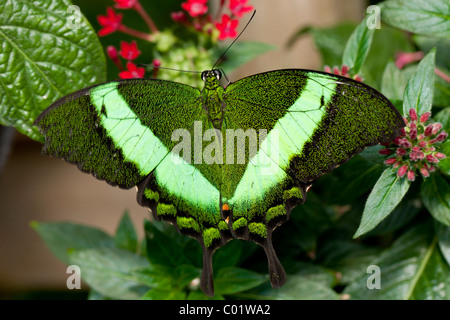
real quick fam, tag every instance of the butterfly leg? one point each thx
(206, 282)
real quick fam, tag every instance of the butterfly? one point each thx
(225, 162)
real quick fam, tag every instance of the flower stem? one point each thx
(138, 7)
(442, 75)
(135, 33)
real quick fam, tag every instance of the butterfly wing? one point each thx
(116, 130)
(315, 121)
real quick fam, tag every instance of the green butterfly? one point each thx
(223, 162)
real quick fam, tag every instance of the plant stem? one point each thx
(442, 75)
(135, 33)
(138, 7)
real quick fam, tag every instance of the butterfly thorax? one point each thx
(212, 97)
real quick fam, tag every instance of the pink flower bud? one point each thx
(442, 136)
(344, 69)
(422, 144)
(420, 137)
(384, 151)
(436, 127)
(440, 155)
(425, 173)
(413, 134)
(428, 130)
(336, 70)
(400, 152)
(424, 117)
(431, 158)
(390, 161)
(405, 143)
(413, 114)
(411, 175)
(402, 171)
(112, 52)
(402, 132)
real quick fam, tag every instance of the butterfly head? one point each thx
(211, 78)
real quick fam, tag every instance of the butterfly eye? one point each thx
(218, 74)
(204, 73)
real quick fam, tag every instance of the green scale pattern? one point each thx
(305, 123)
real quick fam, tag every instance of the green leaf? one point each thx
(109, 271)
(331, 42)
(232, 280)
(400, 216)
(419, 91)
(435, 192)
(413, 268)
(347, 257)
(359, 175)
(385, 196)
(444, 164)
(199, 295)
(126, 236)
(443, 235)
(62, 236)
(358, 46)
(443, 117)
(166, 278)
(430, 17)
(296, 287)
(394, 81)
(159, 294)
(162, 249)
(47, 52)
(244, 52)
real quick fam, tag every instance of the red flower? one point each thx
(227, 27)
(110, 23)
(125, 4)
(132, 72)
(195, 7)
(129, 51)
(239, 8)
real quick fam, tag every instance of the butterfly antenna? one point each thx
(235, 39)
(165, 68)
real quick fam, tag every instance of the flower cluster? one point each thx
(342, 72)
(416, 148)
(129, 52)
(197, 16)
